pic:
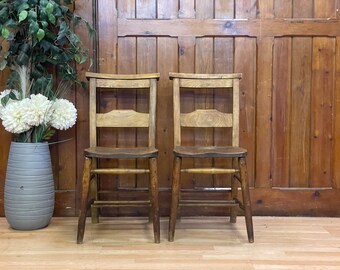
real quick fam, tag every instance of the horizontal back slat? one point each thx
(206, 118)
(104, 83)
(122, 76)
(122, 118)
(206, 83)
(204, 76)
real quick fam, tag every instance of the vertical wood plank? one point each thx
(264, 102)
(224, 9)
(186, 9)
(281, 101)
(303, 9)
(127, 64)
(263, 112)
(223, 63)
(245, 9)
(167, 9)
(146, 62)
(127, 100)
(84, 9)
(167, 51)
(300, 100)
(245, 62)
(146, 9)
(187, 64)
(323, 68)
(5, 138)
(107, 63)
(281, 112)
(325, 8)
(204, 98)
(283, 8)
(336, 139)
(167, 61)
(300, 112)
(265, 9)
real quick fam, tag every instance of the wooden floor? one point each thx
(200, 243)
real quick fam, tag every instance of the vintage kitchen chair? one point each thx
(209, 118)
(118, 118)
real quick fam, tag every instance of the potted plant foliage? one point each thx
(41, 49)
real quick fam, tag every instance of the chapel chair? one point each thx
(208, 118)
(119, 118)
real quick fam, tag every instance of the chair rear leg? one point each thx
(246, 199)
(94, 194)
(154, 198)
(174, 198)
(234, 193)
(84, 199)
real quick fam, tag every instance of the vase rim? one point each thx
(29, 142)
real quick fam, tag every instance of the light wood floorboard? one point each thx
(200, 243)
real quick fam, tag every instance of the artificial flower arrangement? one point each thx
(34, 117)
(39, 46)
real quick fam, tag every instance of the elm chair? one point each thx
(209, 118)
(118, 118)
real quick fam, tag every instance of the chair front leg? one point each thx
(154, 198)
(246, 199)
(174, 198)
(84, 199)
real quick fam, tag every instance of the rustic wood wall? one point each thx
(289, 54)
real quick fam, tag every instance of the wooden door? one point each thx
(289, 54)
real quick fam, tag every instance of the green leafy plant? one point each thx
(39, 34)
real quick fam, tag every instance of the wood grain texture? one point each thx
(322, 98)
(206, 118)
(263, 112)
(209, 243)
(301, 97)
(167, 61)
(230, 27)
(246, 9)
(281, 111)
(192, 36)
(146, 63)
(223, 63)
(84, 9)
(300, 112)
(186, 9)
(245, 62)
(336, 141)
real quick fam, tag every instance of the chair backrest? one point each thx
(206, 117)
(122, 118)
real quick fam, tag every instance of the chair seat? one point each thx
(210, 151)
(110, 152)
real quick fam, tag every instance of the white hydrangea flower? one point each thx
(13, 115)
(5, 93)
(64, 114)
(38, 110)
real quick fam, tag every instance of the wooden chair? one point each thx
(120, 119)
(209, 118)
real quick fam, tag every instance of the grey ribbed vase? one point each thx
(29, 186)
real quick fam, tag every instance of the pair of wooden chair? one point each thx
(199, 118)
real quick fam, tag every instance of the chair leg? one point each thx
(175, 198)
(154, 198)
(84, 199)
(94, 194)
(246, 199)
(234, 193)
